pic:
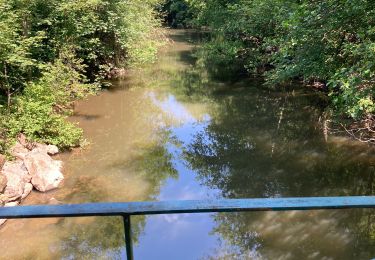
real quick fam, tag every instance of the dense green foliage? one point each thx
(177, 13)
(330, 44)
(54, 52)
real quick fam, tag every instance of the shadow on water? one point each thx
(268, 143)
(262, 142)
(258, 145)
(187, 36)
(188, 57)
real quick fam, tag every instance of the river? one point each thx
(169, 132)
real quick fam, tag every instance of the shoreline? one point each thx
(32, 169)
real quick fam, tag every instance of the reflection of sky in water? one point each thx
(171, 236)
(175, 110)
(179, 231)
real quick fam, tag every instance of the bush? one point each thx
(40, 112)
(54, 52)
(328, 41)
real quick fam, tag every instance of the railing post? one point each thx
(128, 237)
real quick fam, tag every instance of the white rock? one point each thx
(12, 204)
(19, 151)
(45, 172)
(49, 149)
(27, 189)
(17, 176)
(52, 149)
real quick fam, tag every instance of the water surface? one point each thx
(169, 132)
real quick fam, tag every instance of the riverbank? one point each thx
(325, 44)
(32, 168)
(49, 61)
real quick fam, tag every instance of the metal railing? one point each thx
(128, 209)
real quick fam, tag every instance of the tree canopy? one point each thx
(53, 52)
(326, 44)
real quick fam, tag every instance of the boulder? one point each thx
(3, 199)
(19, 151)
(17, 176)
(49, 149)
(45, 172)
(12, 204)
(52, 149)
(27, 190)
(22, 139)
(3, 182)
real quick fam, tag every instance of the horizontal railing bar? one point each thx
(188, 206)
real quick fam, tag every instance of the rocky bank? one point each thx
(33, 168)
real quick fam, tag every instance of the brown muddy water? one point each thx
(167, 132)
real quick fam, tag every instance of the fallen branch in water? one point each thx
(362, 131)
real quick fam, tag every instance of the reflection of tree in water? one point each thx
(190, 85)
(103, 237)
(154, 163)
(267, 144)
(244, 153)
(96, 238)
(295, 235)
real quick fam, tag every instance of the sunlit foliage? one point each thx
(54, 52)
(329, 44)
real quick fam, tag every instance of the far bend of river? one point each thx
(168, 133)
